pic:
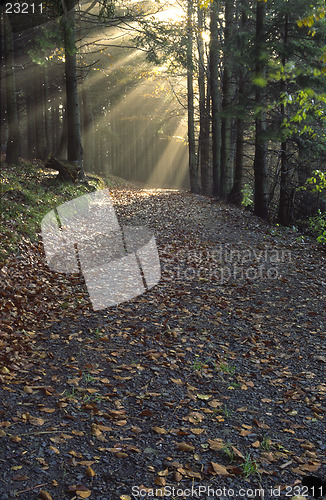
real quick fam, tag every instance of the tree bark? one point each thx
(205, 170)
(236, 195)
(75, 150)
(193, 173)
(285, 204)
(13, 141)
(215, 95)
(226, 163)
(68, 171)
(260, 165)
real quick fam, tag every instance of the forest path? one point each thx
(215, 377)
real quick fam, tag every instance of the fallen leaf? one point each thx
(159, 430)
(185, 447)
(44, 495)
(90, 472)
(36, 420)
(160, 481)
(219, 469)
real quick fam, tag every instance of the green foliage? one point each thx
(317, 181)
(45, 43)
(318, 226)
(247, 195)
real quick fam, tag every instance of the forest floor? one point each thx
(209, 385)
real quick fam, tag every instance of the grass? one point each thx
(28, 192)
(250, 466)
(225, 368)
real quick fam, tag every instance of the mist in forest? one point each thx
(132, 125)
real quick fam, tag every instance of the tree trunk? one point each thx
(88, 129)
(75, 150)
(193, 173)
(260, 165)
(205, 171)
(38, 105)
(285, 203)
(47, 126)
(13, 142)
(226, 163)
(30, 111)
(68, 171)
(215, 95)
(236, 195)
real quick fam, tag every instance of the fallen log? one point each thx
(68, 170)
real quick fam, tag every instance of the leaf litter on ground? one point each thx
(215, 377)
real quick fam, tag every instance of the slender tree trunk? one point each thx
(236, 195)
(205, 170)
(47, 125)
(62, 146)
(30, 111)
(193, 172)
(38, 105)
(260, 164)
(285, 203)
(13, 142)
(75, 150)
(88, 128)
(226, 163)
(215, 95)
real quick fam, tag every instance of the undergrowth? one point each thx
(28, 192)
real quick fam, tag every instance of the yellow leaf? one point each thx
(163, 473)
(55, 450)
(204, 397)
(197, 431)
(83, 494)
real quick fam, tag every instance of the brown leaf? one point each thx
(90, 472)
(185, 447)
(215, 444)
(36, 420)
(159, 430)
(160, 481)
(177, 476)
(44, 495)
(256, 444)
(15, 439)
(219, 469)
(146, 413)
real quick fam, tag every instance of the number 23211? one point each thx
(23, 8)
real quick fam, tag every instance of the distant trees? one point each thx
(249, 59)
(253, 91)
